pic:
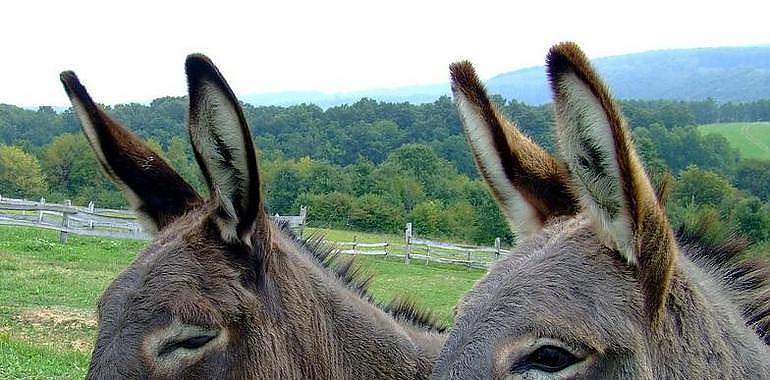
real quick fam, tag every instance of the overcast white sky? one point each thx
(134, 50)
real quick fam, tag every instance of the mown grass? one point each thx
(48, 293)
(751, 139)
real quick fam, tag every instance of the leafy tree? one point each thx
(430, 219)
(283, 190)
(754, 176)
(20, 173)
(330, 210)
(753, 218)
(73, 172)
(179, 155)
(372, 212)
(701, 187)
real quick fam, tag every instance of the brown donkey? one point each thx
(599, 286)
(222, 292)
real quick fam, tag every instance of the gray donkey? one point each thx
(600, 286)
(222, 292)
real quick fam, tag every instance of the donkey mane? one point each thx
(746, 279)
(356, 278)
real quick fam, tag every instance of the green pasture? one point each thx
(751, 139)
(48, 293)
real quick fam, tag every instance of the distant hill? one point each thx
(724, 74)
(410, 94)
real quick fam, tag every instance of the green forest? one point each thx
(373, 166)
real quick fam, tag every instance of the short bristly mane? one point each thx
(746, 279)
(357, 279)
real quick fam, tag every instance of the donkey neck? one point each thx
(364, 340)
(704, 321)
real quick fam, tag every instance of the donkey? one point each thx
(221, 291)
(600, 286)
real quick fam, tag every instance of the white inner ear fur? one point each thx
(217, 115)
(580, 117)
(521, 216)
(133, 199)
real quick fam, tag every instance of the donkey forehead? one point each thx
(176, 278)
(562, 281)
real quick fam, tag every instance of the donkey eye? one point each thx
(196, 342)
(192, 343)
(550, 359)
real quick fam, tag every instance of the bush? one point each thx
(373, 212)
(328, 210)
(430, 219)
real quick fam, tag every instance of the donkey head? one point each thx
(175, 312)
(591, 275)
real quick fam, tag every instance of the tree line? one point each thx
(373, 166)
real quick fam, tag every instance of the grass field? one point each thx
(48, 293)
(752, 139)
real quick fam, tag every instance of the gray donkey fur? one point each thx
(599, 286)
(221, 292)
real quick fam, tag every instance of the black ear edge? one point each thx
(159, 208)
(201, 74)
(75, 90)
(466, 82)
(199, 68)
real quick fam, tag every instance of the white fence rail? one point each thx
(90, 220)
(427, 251)
(365, 249)
(114, 223)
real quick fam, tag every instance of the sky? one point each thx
(134, 50)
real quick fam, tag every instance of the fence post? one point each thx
(91, 206)
(468, 256)
(427, 256)
(497, 248)
(355, 239)
(408, 241)
(302, 216)
(40, 212)
(65, 222)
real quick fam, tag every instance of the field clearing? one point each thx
(48, 294)
(751, 139)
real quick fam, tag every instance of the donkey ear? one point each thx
(155, 191)
(529, 185)
(608, 174)
(225, 152)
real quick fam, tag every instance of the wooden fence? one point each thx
(90, 220)
(427, 251)
(113, 223)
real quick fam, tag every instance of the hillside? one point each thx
(752, 139)
(724, 74)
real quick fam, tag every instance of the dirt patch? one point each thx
(81, 345)
(59, 328)
(57, 317)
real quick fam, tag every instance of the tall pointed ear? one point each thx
(529, 185)
(154, 190)
(225, 152)
(608, 174)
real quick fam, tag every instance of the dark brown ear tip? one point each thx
(68, 76)
(463, 74)
(563, 58)
(70, 80)
(464, 79)
(558, 59)
(73, 88)
(200, 66)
